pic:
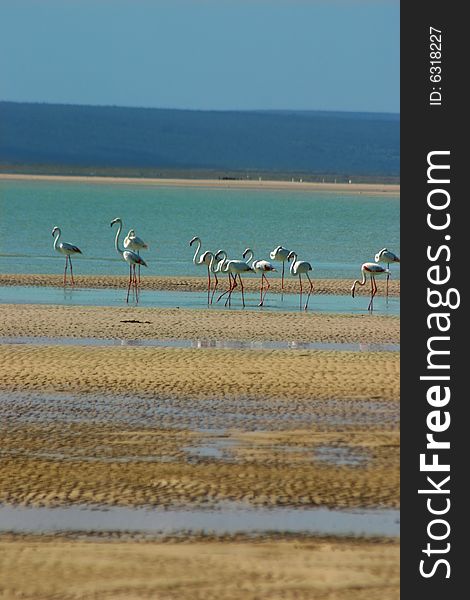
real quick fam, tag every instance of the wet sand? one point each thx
(298, 568)
(192, 374)
(354, 188)
(131, 323)
(198, 284)
(130, 426)
(119, 465)
(303, 393)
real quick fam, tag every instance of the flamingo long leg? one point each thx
(136, 285)
(227, 290)
(388, 277)
(261, 291)
(215, 287)
(268, 285)
(310, 291)
(71, 270)
(282, 280)
(263, 276)
(130, 283)
(65, 270)
(372, 293)
(233, 285)
(208, 284)
(375, 291)
(243, 295)
(300, 279)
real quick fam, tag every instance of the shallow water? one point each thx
(221, 344)
(229, 518)
(335, 232)
(323, 303)
(207, 416)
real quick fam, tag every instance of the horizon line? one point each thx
(238, 110)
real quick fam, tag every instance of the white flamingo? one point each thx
(234, 268)
(260, 267)
(134, 243)
(67, 249)
(131, 258)
(385, 256)
(207, 260)
(369, 269)
(299, 267)
(215, 267)
(280, 254)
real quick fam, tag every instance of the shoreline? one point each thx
(357, 188)
(192, 283)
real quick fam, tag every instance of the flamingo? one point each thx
(234, 268)
(67, 249)
(132, 242)
(215, 266)
(280, 254)
(260, 266)
(297, 268)
(371, 269)
(385, 256)
(205, 259)
(131, 258)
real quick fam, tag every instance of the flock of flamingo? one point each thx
(219, 263)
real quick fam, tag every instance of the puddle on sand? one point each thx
(226, 518)
(218, 448)
(197, 343)
(201, 415)
(339, 455)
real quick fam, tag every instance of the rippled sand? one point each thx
(153, 323)
(50, 568)
(147, 426)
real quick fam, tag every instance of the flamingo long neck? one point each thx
(211, 264)
(116, 239)
(221, 262)
(294, 260)
(357, 282)
(198, 247)
(56, 239)
(252, 255)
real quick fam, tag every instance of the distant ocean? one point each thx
(335, 232)
(161, 142)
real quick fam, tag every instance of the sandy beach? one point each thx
(298, 569)
(297, 398)
(354, 188)
(142, 426)
(131, 323)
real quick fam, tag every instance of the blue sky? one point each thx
(203, 54)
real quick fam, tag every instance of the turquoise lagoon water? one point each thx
(335, 232)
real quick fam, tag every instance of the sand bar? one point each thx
(351, 188)
(131, 323)
(192, 374)
(301, 569)
(195, 284)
